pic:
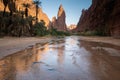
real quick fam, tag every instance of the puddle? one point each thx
(66, 58)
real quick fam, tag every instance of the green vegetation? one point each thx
(91, 33)
(41, 30)
(18, 26)
(54, 32)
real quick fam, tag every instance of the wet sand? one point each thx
(109, 40)
(68, 58)
(10, 45)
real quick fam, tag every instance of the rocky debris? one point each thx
(103, 15)
(31, 10)
(60, 22)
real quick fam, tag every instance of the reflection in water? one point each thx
(14, 66)
(66, 58)
(61, 55)
(103, 65)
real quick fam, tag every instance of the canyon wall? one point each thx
(102, 16)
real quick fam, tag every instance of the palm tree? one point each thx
(11, 6)
(26, 8)
(37, 3)
(5, 2)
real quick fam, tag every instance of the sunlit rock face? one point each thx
(60, 22)
(102, 15)
(71, 27)
(31, 10)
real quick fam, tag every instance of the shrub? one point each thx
(40, 29)
(92, 33)
(54, 32)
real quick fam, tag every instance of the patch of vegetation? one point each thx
(16, 25)
(54, 32)
(91, 33)
(40, 29)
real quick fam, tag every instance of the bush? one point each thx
(92, 33)
(54, 32)
(40, 29)
(15, 25)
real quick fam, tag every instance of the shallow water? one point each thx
(66, 58)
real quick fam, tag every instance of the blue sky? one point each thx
(72, 8)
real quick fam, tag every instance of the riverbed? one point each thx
(63, 58)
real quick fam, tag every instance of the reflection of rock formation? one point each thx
(31, 10)
(7, 69)
(102, 65)
(60, 22)
(61, 55)
(18, 64)
(102, 15)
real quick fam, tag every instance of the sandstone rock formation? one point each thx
(60, 22)
(103, 16)
(71, 27)
(31, 10)
(54, 22)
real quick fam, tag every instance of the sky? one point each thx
(72, 8)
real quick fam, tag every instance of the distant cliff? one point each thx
(31, 10)
(60, 22)
(102, 16)
(71, 27)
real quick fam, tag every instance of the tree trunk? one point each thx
(36, 13)
(4, 11)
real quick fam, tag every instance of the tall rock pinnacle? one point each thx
(61, 11)
(60, 22)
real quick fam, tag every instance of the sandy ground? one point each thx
(109, 40)
(66, 58)
(10, 45)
